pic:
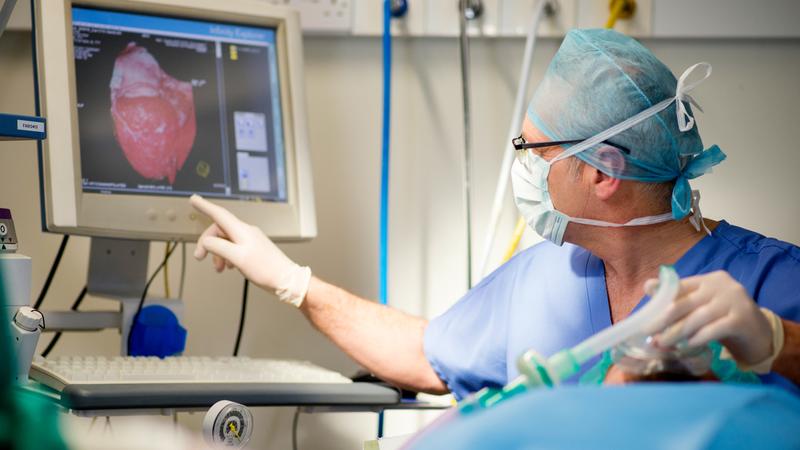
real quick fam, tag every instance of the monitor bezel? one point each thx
(68, 209)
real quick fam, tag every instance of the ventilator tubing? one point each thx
(536, 370)
(568, 362)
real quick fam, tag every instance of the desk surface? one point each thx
(78, 397)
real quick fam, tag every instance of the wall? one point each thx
(751, 103)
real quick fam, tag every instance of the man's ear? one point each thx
(613, 162)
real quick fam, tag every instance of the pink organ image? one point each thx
(153, 114)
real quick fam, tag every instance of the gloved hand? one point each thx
(234, 243)
(713, 307)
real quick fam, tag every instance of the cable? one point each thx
(619, 9)
(295, 422)
(91, 425)
(52, 273)
(516, 118)
(616, 11)
(144, 295)
(167, 293)
(241, 317)
(465, 89)
(383, 249)
(183, 270)
(387, 108)
(519, 229)
(57, 336)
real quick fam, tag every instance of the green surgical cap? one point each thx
(599, 78)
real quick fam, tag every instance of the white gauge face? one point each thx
(228, 424)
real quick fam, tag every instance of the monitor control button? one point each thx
(3, 229)
(151, 214)
(171, 215)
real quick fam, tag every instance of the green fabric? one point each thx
(725, 369)
(31, 423)
(26, 420)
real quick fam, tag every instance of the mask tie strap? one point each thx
(683, 200)
(685, 120)
(696, 218)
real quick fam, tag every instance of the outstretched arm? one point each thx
(386, 341)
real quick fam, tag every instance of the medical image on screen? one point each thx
(168, 106)
(153, 114)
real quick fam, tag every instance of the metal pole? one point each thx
(465, 90)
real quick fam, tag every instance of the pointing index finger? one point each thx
(229, 223)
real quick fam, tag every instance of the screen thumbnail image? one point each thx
(253, 172)
(251, 131)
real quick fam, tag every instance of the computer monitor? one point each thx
(151, 101)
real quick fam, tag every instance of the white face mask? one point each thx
(529, 182)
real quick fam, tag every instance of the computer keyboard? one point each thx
(58, 372)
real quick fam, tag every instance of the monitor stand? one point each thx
(117, 271)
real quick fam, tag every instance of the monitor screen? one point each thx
(170, 106)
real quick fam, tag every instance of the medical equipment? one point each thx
(158, 100)
(620, 9)
(640, 357)
(14, 126)
(383, 232)
(62, 371)
(8, 234)
(685, 364)
(23, 322)
(467, 11)
(228, 424)
(536, 370)
(544, 8)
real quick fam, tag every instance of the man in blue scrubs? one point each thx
(604, 161)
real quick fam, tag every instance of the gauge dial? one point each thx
(228, 424)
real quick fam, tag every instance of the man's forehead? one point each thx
(532, 134)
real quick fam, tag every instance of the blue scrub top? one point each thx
(550, 298)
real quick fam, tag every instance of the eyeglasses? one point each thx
(519, 143)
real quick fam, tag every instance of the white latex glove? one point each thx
(234, 243)
(715, 307)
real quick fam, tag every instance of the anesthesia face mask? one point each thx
(639, 359)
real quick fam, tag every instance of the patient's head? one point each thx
(640, 360)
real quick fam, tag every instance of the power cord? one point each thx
(183, 270)
(52, 273)
(167, 293)
(57, 336)
(295, 422)
(241, 317)
(144, 294)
